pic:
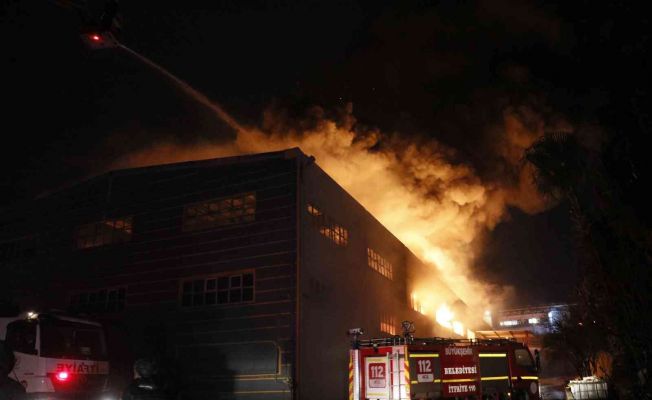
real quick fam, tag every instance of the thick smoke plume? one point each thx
(437, 206)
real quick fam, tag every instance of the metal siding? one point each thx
(160, 255)
(339, 290)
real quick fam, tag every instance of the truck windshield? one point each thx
(74, 340)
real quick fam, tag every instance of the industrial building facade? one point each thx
(246, 272)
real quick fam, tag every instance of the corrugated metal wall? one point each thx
(241, 350)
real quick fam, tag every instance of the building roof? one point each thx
(290, 153)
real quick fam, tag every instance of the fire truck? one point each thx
(410, 368)
(58, 356)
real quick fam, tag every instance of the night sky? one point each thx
(445, 69)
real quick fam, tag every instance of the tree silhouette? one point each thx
(614, 244)
(579, 341)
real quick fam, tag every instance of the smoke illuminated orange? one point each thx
(438, 208)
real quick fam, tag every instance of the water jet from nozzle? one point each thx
(186, 88)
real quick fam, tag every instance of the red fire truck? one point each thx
(409, 368)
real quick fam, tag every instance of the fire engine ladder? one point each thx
(398, 385)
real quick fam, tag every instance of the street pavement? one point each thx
(552, 389)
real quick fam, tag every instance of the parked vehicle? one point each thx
(58, 355)
(407, 368)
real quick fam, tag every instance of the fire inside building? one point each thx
(245, 271)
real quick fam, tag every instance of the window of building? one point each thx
(327, 227)
(105, 232)
(220, 212)
(218, 289)
(9, 251)
(388, 324)
(336, 233)
(312, 210)
(99, 301)
(17, 250)
(416, 304)
(512, 322)
(380, 264)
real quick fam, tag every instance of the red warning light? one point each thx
(62, 376)
(98, 40)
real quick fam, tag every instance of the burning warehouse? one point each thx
(247, 271)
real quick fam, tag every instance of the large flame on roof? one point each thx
(438, 207)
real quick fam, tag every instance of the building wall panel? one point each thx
(161, 254)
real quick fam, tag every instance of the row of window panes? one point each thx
(335, 232)
(380, 264)
(514, 322)
(16, 249)
(219, 212)
(203, 215)
(416, 305)
(226, 289)
(9, 250)
(104, 232)
(100, 301)
(388, 324)
(229, 289)
(340, 236)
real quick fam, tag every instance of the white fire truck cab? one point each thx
(408, 368)
(57, 356)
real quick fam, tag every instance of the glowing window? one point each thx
(99, 301)
(414, 302)
(388, 324)
(327, 227)
(312, 210)
(533, 321)
(380, 264)
(218, 289)
(336, 233)
(104, 232)
(509, 323)
(220, 212)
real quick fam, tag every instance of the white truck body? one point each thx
(57, 355)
